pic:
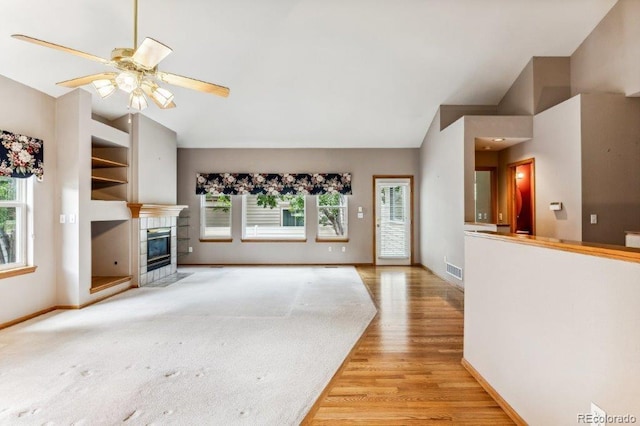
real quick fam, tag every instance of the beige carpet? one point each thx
(223, 346)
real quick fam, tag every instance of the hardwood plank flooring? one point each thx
(406, 369)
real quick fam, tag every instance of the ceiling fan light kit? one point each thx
(137, 72)
(104, 87)
(137, 99)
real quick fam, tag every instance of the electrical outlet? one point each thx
(500, 217)
(344, 249)
(598, 415)
(330, 248)
(594, 219)
(62, 218)
(190, 249)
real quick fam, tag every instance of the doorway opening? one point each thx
(522, 197)
(393, 220)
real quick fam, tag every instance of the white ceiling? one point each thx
(303, 73)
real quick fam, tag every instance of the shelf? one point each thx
(106, 181)
(103, 283)
(98, 162)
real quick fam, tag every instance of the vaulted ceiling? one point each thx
(303, 73)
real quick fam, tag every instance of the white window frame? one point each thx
(291, 237)
(204, 204)
(20, 203)
(345, 207)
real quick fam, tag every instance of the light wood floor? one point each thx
(406, 368)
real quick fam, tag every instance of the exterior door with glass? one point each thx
(393, 220)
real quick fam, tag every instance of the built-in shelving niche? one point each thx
(109, 171)
(110, 253)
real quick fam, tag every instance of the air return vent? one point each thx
(454, 271)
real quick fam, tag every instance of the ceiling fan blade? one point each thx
(191, 83)
(61, 48)
(81, 81)
(147, 89)
(150, 53)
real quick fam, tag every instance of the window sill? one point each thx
(272, 240)
(216, 240)
(332, 240)
(7, 273)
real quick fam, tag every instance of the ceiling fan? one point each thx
(136, 72)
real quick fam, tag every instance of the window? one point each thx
(215, 217)
(332, 216)
(273, 217)
(396, 204)
(13, 223)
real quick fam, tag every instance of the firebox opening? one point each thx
(158, 248)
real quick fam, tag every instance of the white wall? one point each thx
(447, 165)
(442, 161)
(362, 163)
(27, 111)
(155, 156)
(553, 331)
(556, 148)
(74, 186)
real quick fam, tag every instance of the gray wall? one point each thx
(362, 163)
(609, 58)
(449, 114)
(519, 98)
(487, 159)
(27, 111)
(611, 167)
(543, 83)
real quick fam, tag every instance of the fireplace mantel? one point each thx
(154, 210)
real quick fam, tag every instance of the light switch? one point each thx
(72, 218)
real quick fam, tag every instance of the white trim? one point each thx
(204, 204)
(273, 232)
(345, 207)
(22, 223)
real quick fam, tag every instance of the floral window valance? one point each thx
(20, 156)
(273, 183)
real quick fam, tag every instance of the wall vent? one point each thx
(454, 271)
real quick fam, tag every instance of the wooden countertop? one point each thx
(628, 254)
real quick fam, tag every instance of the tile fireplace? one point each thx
(157, 241)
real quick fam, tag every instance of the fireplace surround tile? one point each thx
(144, 224)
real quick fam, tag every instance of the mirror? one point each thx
(485, 194)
